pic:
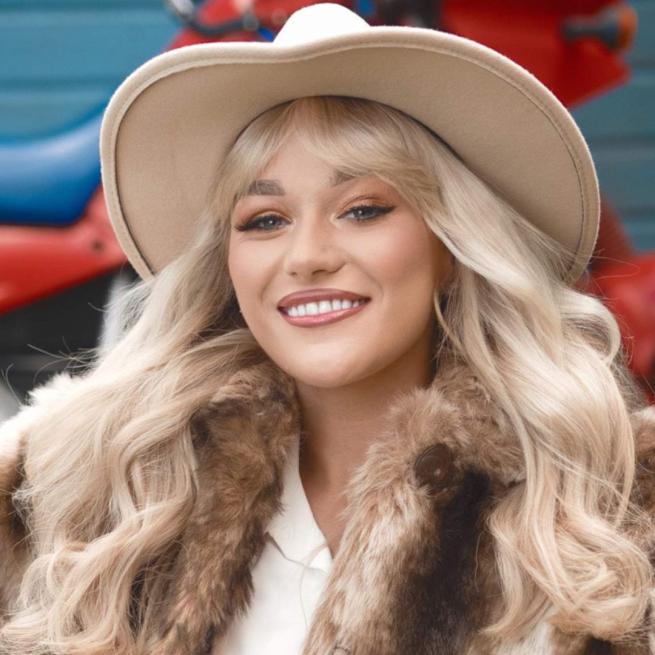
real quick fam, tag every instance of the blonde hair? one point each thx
(111, 471)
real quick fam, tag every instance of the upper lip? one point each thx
(310, 295)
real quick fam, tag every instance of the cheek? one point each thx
(242, 274)
(234, 267)
(403, 262)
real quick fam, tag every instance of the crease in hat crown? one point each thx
(319, 21)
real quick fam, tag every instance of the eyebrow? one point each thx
(274, 188)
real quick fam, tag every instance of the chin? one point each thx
(323, 377)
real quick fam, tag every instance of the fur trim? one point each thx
(14, 543)
(406, 524)
(243, 438)
(415, 530)
(12, 532)
(643, 423)
(408, 544)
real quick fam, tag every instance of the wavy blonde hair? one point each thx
(111, 471)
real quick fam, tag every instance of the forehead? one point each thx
(265, 187)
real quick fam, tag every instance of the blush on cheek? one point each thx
(406, 269)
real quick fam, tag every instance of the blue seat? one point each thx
(49, 180)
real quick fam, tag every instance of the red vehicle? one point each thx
(59, 261)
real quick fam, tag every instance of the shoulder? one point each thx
(643, 496)
(14, 434)
(13, 431)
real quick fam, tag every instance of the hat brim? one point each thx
(172, 121)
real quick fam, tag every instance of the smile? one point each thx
(315, 318)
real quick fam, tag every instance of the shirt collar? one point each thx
(294, 529)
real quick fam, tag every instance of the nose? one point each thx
(312, 249)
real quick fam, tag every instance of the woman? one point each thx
(457, 426)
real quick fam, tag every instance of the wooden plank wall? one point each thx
(620, 129)
(60, 59)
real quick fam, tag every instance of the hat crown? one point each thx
(319, 21)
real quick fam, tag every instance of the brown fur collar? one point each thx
(414, 574)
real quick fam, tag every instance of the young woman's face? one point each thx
(303, 229)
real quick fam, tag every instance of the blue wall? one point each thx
(60, 58)
(620, 129)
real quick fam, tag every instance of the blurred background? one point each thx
(60, 61)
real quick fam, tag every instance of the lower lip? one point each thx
(323, 319)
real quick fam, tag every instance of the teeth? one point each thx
(321, 307)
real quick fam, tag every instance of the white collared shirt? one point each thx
(285, 592)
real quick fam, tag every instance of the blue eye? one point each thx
(257, 223)
(376, 210)
(270, 219)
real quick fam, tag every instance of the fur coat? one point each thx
(414, 574)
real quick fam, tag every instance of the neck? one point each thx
(339, 424)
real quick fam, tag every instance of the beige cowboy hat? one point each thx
(170, 123)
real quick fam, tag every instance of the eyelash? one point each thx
(380, 210)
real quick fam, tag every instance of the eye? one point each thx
(269, 222)
(373, 212)
(258, 223)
